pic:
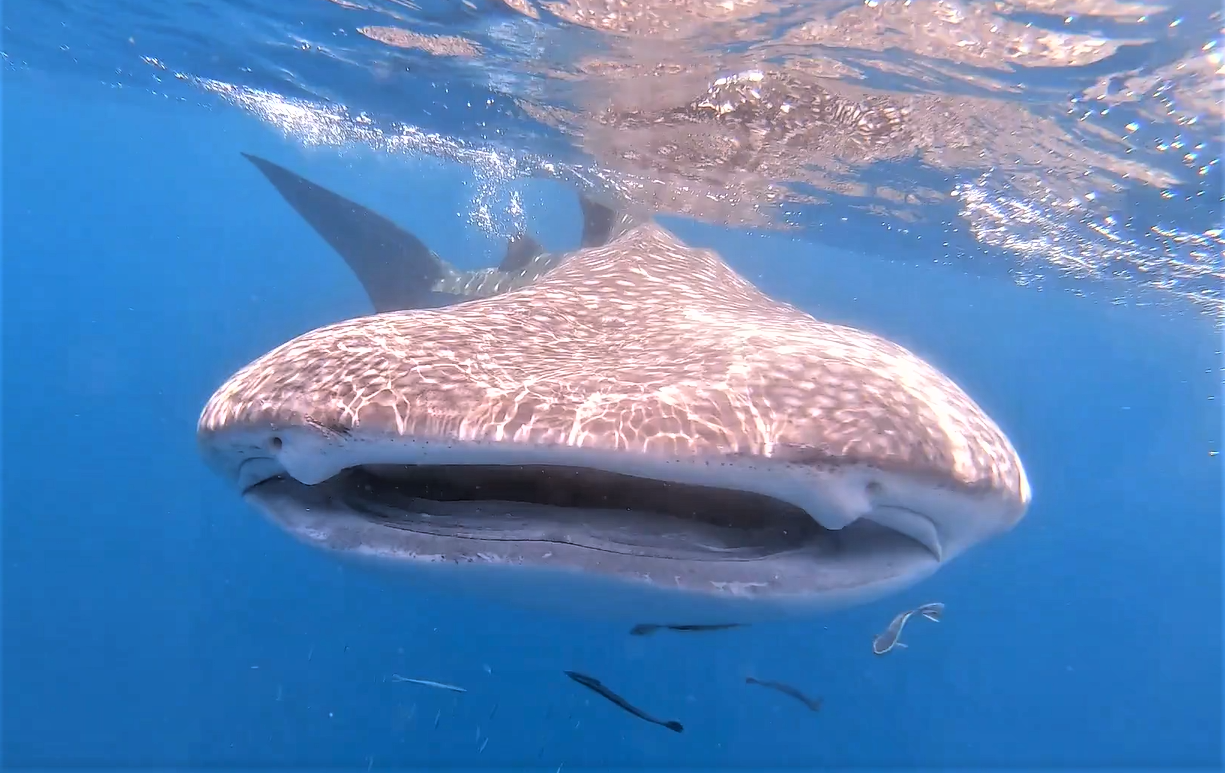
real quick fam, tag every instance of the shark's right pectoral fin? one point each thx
(396, 269)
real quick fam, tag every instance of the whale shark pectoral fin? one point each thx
(519, 253)
(396, 269)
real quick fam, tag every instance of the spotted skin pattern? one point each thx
(644, 345)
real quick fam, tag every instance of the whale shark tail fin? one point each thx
(397, 270)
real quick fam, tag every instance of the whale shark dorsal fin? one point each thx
(519, 253)
(602, 223)
(394, 267)
(598, 222)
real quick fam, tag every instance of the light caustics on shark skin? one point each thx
(634, 432)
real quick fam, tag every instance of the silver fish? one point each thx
(887, 640)
(427, 683)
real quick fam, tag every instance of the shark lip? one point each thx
(583, 560)
(498, 510)
(578, 506)
(914, 524)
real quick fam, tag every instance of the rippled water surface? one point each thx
(1026, 193)
(1070, 143)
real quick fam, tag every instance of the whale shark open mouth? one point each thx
(576, 506)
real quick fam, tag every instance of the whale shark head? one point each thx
(637, 433)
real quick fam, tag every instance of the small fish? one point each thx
(595, 685)
(645, 629)
(427, 683)
(813, 704)
(886, 641)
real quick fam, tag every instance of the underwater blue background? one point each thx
(151, 618)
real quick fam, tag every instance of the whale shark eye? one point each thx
(275, 443)
(874, 487)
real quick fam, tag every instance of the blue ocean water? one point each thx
(150, 618)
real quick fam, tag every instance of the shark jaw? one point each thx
(607, 535)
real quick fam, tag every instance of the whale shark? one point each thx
(633, 432)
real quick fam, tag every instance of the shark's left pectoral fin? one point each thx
(397, 270)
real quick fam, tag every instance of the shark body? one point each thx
(628, 430)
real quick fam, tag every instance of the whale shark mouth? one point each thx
(419, 511)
